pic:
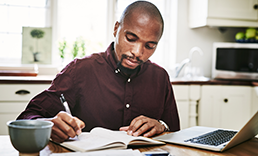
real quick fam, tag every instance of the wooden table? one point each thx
(249, 148)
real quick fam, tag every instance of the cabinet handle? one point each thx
(256, 6)
(22, 92)
(225, 100)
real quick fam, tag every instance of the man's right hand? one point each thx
(65, 126)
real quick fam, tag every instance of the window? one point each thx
(14, 14)
(82, 21)
(78, 20)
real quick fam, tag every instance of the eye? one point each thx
(150, 45)
(131, 38)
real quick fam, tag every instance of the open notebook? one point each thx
(214, 139)
(101, 139)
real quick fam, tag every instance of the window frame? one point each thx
(48, 23)
(169, 35)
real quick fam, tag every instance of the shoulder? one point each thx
(81, 65)
(155, 72)
(88, 61)
(95, 57)
(155, 68)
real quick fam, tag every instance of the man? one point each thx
(117, 89)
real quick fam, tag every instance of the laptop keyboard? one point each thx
(214, 138)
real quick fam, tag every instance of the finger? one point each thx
(57, 138)
(156, 129)
(80, 125)
(144, 128)
(66, 123)
(74, 122)
(62, 128)
(133, 122)
(152, 132)
(57, 135)
(125, 128)
(134, 126)
(70, 120)
(130, 128)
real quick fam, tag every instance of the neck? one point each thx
(126, 71)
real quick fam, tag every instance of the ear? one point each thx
(116, 28)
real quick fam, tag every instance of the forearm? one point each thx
(27, 115)
(44, 105)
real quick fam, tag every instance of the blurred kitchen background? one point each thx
(93, 22)
(39, 37)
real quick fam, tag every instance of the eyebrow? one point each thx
(130, 33)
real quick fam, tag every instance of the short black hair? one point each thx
(146, 7)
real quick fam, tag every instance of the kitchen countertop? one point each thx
(216, 82)
(47, 79)
(40, 79)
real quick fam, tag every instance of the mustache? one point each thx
(124, 56)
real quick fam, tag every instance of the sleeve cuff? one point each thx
(165, 125)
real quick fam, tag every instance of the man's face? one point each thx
(136, 39)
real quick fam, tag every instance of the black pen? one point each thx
(65, 104)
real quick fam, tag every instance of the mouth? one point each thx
(131, 62)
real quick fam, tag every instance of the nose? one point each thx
(137, 50)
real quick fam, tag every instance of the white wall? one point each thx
(201, 37)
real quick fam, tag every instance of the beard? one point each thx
(126, 70)
(124, 56)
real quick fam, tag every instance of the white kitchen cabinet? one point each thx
(181, 93)
(225, 106)
(13, 100)
(254, 106)
(187, 97)
(223, 13)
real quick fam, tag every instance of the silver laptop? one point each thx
(214, 139)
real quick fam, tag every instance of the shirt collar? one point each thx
(110, 57)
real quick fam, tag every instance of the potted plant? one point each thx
(36, 33)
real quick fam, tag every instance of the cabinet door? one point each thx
(223, 13)
(13, 100)
(187, 97)
(254, 107)
(225, 106)
(183, 112)
(181, 93)
(236, 106)
(233, 9)
(9, 111)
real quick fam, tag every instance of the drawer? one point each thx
(20, 92)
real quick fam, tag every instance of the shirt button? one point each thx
(117, 71)
(127, 105)
(129, 80)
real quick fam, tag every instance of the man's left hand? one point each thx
(145, 126)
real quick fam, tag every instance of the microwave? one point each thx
(236, 61)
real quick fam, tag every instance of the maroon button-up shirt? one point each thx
(100, 95)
